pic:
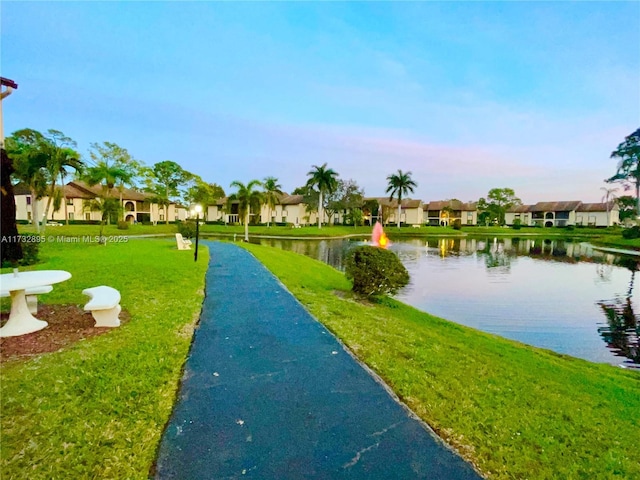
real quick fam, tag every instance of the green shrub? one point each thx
(633, 232)
(457, 224)
(187, 229)
(517, 224)
(375, 271)
(123, 225)
(30, 249)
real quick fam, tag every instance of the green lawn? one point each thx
(97, 409)
(514, 411)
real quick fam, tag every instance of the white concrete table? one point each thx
(20, 319)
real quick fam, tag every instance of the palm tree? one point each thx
(60, 159)
(107, 175)
(247, 197)
(325, 179)
(400, 184)
(609, 193)
(270, 196)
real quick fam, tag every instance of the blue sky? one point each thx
(467, 96)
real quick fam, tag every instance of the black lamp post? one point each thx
(198, 209)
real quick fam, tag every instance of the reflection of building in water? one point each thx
(541, 248)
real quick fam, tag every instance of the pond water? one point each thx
(563, 296)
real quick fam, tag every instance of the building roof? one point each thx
(565, 206)
(386, 202)
(520, 209)
(291, 199)
(452, 204)
(21, 189)
(96, 190)
(597, 207)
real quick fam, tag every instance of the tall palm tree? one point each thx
(609, 193)
(270, 196)
(60, 159)
(326, 180)
(400, 184)
(247, 197)
(107, 175)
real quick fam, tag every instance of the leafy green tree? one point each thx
(499, 201)
(347, 196)
(248, 198)
(628, 155)
(164, 181)
(25, 149)
(126, 170)
(203, 193)
(270, 197)
(399, 185)
(325, 180)
(627, 205)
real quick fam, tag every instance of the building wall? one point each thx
(412, 216)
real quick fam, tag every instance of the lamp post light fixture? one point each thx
(198, 210)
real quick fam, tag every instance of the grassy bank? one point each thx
(97, 409)
(514, 411)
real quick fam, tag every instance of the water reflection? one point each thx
(544, 292)
(622, 332)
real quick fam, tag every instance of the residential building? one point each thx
(137, 206)
(564, 213)
(445, 212)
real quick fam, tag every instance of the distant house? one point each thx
(289, 209)
(564, 213)
(138, 206)
(387, 212)
(445, 212)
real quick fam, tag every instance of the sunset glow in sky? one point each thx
(466, 95)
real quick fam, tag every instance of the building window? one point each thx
(284, 219)
(70, 215)
(161, 217)
(69, 201)
(28, 215)
(526, 218)
(87, 216)
(592, 220)
(28, 199)
(579, 220)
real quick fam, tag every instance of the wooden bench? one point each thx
(32, 296)
(182, 243)
(104, 305)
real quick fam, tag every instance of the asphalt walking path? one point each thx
(269, 393)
